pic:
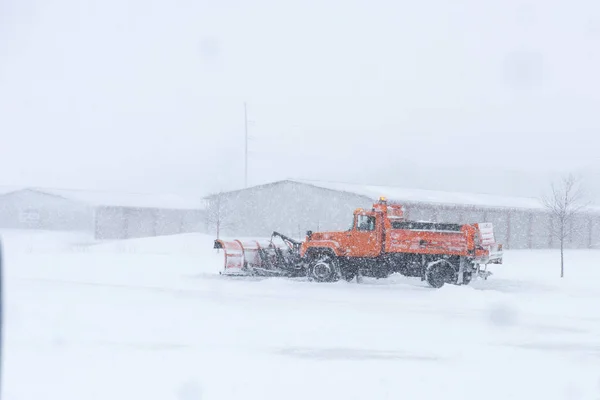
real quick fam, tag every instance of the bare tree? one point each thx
(564, 202)
(217, 214)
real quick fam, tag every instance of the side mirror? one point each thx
(309, 234)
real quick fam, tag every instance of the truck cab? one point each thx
(365, 237)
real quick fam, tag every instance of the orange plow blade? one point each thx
(240, 256)
(259, 257)
(234, 256)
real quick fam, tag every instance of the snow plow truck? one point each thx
(380, 242)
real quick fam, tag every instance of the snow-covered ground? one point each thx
(152, 319)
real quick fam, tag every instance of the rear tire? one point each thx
(381, 272)
(438, 275)
(467, 277)
(324, 268)
(348, 274)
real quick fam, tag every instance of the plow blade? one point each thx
(240, 256)
(259, 257)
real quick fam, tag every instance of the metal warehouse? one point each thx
(294, 206)
(103, 215)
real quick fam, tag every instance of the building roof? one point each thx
(5, 189)
(407, 195)
(396, 194)
(132, 200)
(121, 199)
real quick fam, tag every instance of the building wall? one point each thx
(128, 222)
(515, 229)
(541, 237)
(292, 208)
(580, 232)
(595, 235)
(285, 207)
(36, 210)
(30, 209)
(109, 223)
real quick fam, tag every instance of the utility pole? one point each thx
(246, 146)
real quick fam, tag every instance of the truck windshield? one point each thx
(366, 223)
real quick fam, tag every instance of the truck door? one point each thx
(363, 239)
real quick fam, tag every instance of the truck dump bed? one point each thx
(427, 238)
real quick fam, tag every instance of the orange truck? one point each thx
(380, 242)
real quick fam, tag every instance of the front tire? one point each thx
(324, 268)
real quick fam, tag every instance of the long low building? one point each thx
(295, 206)
(104, 215)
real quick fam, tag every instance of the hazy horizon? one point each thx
(149, 96)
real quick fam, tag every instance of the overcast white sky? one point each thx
(148, 94)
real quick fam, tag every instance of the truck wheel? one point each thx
(438, 275)
(348, 274)
(467, 277)
(381, 272)
(324, 269)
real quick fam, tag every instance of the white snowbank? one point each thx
(152, 319)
